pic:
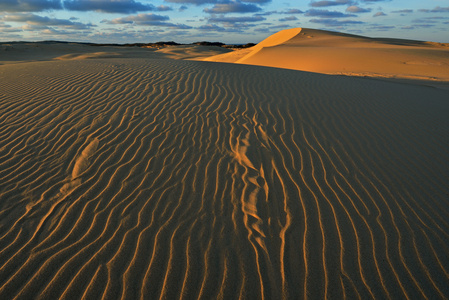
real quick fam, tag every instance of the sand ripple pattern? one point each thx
(163, 179)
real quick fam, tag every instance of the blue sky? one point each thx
(229, 21)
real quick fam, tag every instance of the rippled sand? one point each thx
(154, 178)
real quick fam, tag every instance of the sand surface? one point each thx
(337, 53)
(129, 174)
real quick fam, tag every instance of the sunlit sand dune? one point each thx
(337, 53)
(147, 178)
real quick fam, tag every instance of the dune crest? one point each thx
(276, 39)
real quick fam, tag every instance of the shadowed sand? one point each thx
(140, 176)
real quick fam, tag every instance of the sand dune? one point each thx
(13, 53)
(157, 178)
(195, 52)
(337, 53)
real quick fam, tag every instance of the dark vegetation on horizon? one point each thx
(146, 45)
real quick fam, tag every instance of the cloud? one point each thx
(291, 11)
(424, 25)
(357, 9)
(257, 1)
(232, 7)
(140, 19)
(263, 30)
(52, 32)
(381, 27)
(379, 14)
(9, 29)
(147, 20)
(33, 19)
(323, 13)
(29, 5)
(334, 22)
(236, 19)
(216, 28)
(196, 2)
(403, 11)
(289, 18)
(173, 26)
(428, 21)
(163, 8)
(212, 27)
(437, 9)
(183, 8)
(201, 2)
(330, 3)
(267, 13)
(107, 6)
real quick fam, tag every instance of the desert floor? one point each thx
(140, 173)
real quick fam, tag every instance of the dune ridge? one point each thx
(206, 180)
(345, 54)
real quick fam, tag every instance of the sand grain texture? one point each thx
(141, 178)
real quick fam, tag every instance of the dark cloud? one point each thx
(428, 21)
(147, 20)
(330, 3)
(236, 19)
(257, 1)
(107, 6)
(357, 9)
(232, 7)
(29, 5)
(323, 13)
(33, 19)
(437, 9)
(174, 26)
(379, 14)
(196, 2)
(267, 13)
(201, 2)
(289, 18)
(263, 30)
(216, 28)
(334, 22)
(403, 11)
(140, 19)
(292, 11)
(182, 8)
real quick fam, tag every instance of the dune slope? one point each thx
(338, 53)
(157, 178)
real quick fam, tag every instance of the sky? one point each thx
(228, 21)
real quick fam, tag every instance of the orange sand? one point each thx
(336, 53)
